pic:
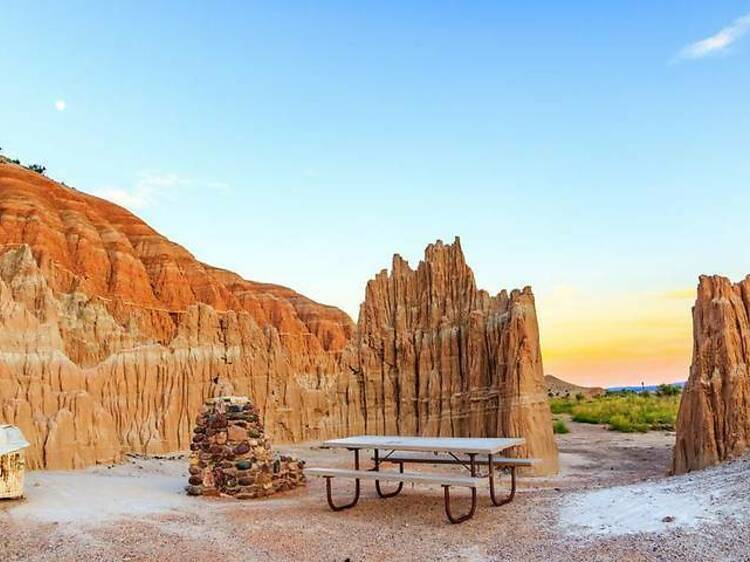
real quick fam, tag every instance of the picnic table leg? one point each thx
(377, 482)
(335, 507)
(509, 497)
(447, 497)
(462, 518)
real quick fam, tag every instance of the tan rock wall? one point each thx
(714, 419)
(111, 336)
(437, 356)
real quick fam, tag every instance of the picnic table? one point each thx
(469, 452)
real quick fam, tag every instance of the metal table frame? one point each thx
(355, 444)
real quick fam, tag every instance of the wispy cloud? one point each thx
(151, 188)
(719, 42)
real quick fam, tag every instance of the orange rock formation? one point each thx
(437, 356)
(111, 338)
(714, 419)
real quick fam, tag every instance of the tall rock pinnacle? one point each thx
(714, 419)
(437, 356)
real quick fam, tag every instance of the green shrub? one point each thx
(38, 168)
(561, 406)
(668, 390)
(627, 412)
(625, 424)
(558, 426)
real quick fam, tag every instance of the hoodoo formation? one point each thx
(112, 337)
(437, 356)
(714, 419)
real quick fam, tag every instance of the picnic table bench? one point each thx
(458, 451)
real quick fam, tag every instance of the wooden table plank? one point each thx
(477, 445)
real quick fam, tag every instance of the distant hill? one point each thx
(559, 387)
(647, 388)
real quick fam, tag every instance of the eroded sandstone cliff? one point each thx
(437, 356)
(111, 338)
(714, 419)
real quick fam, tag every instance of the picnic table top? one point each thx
(478, 445)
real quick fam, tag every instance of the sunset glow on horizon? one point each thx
(616, 339)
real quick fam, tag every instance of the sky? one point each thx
(597, 151)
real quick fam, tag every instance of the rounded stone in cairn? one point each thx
(194, 490)
(236, 433)
(242, 448)
(220, 421)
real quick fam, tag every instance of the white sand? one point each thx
(102, 494)
(707, 497)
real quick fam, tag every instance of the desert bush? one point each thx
(38, 168)
(626, 424)
(627, 412)
(668, 390)
(558, 426)
(561, 406)
(621, 392)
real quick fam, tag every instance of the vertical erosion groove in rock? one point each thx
(714, 419)
(435, 356)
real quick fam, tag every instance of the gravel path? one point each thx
(611, 501)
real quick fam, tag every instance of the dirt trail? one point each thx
(608, 503)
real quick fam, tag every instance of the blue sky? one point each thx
(597, 151)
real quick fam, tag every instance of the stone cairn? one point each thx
(231, 454)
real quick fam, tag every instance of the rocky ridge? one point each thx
(112, 336)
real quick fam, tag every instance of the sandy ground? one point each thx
(611, 501)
